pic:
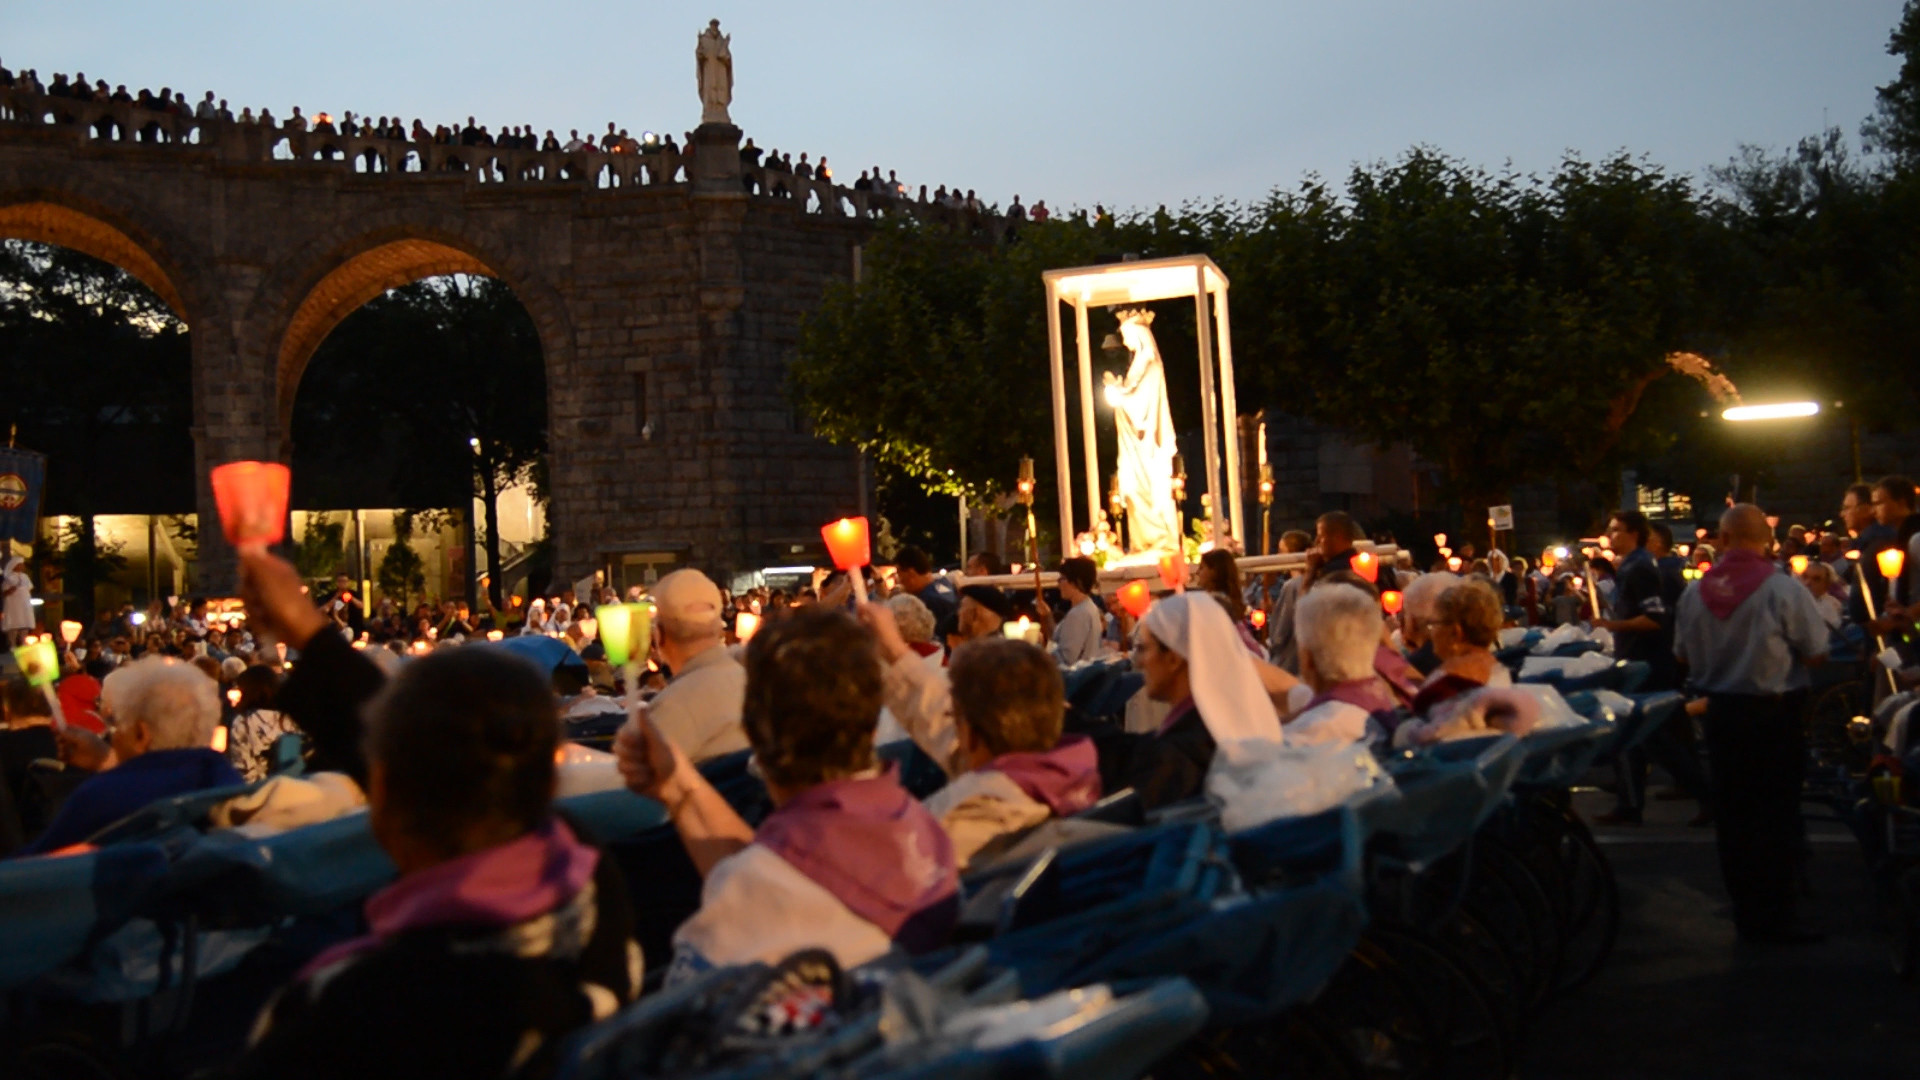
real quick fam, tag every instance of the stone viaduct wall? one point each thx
(667, 298)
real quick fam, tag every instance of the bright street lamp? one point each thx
(1786, 410)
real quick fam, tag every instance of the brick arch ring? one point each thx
(113, 227)
(314, 290)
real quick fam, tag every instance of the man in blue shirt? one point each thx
(1642, 628)
(915, 568)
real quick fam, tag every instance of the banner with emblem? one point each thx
(22, 476)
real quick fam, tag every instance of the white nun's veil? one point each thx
(1226, 687)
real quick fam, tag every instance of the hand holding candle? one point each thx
(626, 633)
(849, 545)
(40, 666)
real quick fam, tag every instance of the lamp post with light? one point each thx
(1781, 410)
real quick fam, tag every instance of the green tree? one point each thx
(402, 573)
(98, 377)
(1894, 128)
(321, 546)
(430, 395)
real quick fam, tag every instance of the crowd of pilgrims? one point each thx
(506, 928)
(615, 140)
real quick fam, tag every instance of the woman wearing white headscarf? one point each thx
(1193, 659)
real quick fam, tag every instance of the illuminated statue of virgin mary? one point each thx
(1144, 425)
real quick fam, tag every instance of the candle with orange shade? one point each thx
(1366, 566)
(1391, 601)
(1173, 572)
(252, 499)
(849, 545)
(1136, 598)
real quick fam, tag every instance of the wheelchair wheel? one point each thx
(1478, 1042)
(1500, 877)
(1380, 1018)
(1593, 918)
(1300, 1043)
(1906, 926)
(69, 1056)
(1828, 744)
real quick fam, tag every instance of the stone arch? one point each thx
(335, 277)
(71, 223)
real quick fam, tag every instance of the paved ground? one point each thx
(1681, 998)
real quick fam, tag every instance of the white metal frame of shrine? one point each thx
(1132, 283)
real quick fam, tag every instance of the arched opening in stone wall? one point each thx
(96, 365)
(414, 393)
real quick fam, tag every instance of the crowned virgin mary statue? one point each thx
(1144, 425)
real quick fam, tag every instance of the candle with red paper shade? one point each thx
(1173, 572)
(851, 548)
(252, 499)
(1391, 601)
(1136, 598)
(1366, 566)
(1257, 619)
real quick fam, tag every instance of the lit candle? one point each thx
(1453, 563)
(1136, 598)
(1017, 629)
(1391, 601)
(745, 625)
(1891, 561)
(496, 635)
(850, 546)
(233, 697)
(1366, 565)
(70, 631)
(1173, 572)
(219, 741)
(1799, 564)
(1440, 541)
(252, 499)
(1257, 618)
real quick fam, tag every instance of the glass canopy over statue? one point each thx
(1144, 485)
(1144, 426)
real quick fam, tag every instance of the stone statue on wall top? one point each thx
(713, 68)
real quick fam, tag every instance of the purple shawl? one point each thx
(877, 850)
(498, 887)
(1403, 679)
(1065, 778)
(1738, 575)
(1368, 694)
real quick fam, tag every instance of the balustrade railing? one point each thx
(126, 123)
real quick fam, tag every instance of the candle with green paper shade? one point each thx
(40, 665)
(626, 633)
